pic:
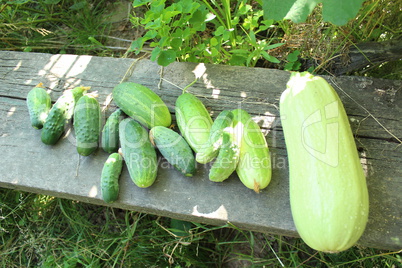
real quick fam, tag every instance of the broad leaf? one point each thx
(338, 12)
(166, 57)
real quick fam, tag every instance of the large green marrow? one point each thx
(328, 192)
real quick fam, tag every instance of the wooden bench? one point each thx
(373, 105)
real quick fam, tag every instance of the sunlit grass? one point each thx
(39, 230)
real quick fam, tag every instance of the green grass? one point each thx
(39, 230)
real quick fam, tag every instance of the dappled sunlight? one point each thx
(221, 213)
(66, 67)
(93, 192)
(11, 111)
(19, 64)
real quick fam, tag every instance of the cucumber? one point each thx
(208, 153)
(138, 153)
(87, 124)
(142, 104)
(193, 120)
(39, 104)
(110, 132)
(60, 113)
(174, 148)
(110, 177)
(228, 157)
(254, 167)
(327, 186)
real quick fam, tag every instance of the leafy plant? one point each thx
(204, 31)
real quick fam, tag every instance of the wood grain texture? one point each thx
(29, 165)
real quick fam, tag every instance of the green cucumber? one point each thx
(87, 124)
(60, 113)
(193, 120)
(142, 104)
(254, 167)
(110, 132)
(174, 148)
(228, 157)
(327, 186)
(39, 104)
(209, 152)
(110, 177)
(138, 152)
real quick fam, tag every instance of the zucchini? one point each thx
(87, 124)
(39, 104)
(110, 177)
(110, 132)
(209, 152)
(174, 149)
(138, 153)
(60, 113)
(228, 157)
(142, 104)
(254, 167)
(328, 192)
(193, 120)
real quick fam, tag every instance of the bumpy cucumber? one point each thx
(193, 120)
(142, 104)
(254, 168)
(39, 104)
(59, 114)
(110, 177)
(110, 132)
(328, 193)
(209, 152)
(174, 148)
(228, 157)
(138, 152)
(87, 124)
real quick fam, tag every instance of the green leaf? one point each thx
(268, 47)
(269, 57)
(155, 53)
(338, 12)
(136, 45)
(292, 57)
(176, 43)
(79, 5)
(213, 41)
(166, 57)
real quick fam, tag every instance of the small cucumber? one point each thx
(254, 168)
(142, 104)
(208, 153)
(327, 187)
(228, 157)
(193, 120)
(138, 152)
(110, 132)
(60, 113)
(174, 148)
(110, 177)
(87, 124)
(39, 104)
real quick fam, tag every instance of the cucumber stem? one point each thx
(189, 85)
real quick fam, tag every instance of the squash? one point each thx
(328, 192)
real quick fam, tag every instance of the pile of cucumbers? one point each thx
(142, 123)
(328, 192)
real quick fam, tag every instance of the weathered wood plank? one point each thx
(29, 165)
